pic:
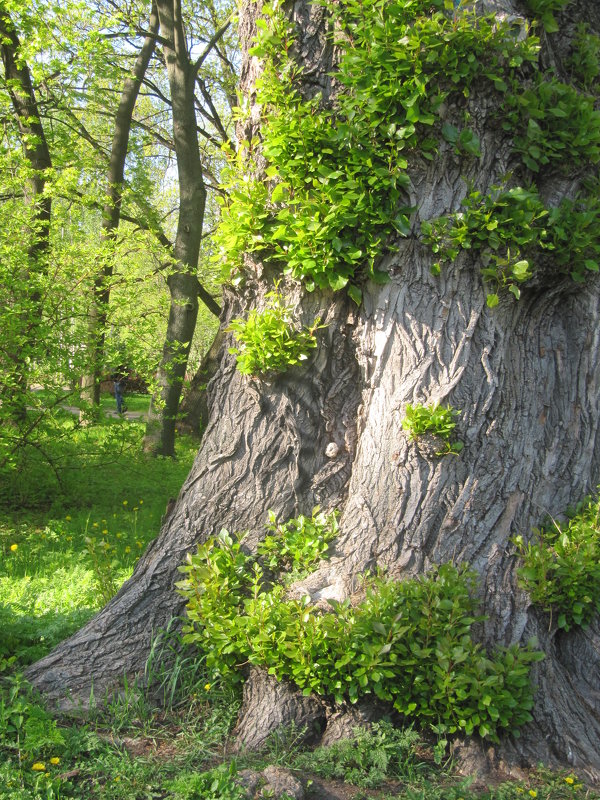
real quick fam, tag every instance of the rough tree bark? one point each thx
(526, 376)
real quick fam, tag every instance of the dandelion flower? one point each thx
(68, 518)
(207, 687)
(125, 502)
(119, 535)
(38, 767)
(141, 502)
(139, 544)
(105, 531)
(14, 547)
(570, 780)
(532, 793)
(128, 549)
(94, 525)
(55, 760)
(135, 508)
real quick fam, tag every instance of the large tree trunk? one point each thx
(526, 376)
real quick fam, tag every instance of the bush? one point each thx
(561, 567)
(408, 642)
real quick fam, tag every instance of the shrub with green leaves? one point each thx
(561, 567)
(299, 544)
(267, 341)
(407, 642)
(433, 419)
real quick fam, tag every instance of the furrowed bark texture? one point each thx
(526, 377)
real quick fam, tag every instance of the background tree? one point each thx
(408, 133)
(25, 296)
(111, 214)
(184, 78)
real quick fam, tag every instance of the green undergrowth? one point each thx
(405, 642)
(133, 749)
(68, 548)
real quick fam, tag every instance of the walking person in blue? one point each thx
(119, 378)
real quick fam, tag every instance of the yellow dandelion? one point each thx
(94, 525)
(68, 518)
(532, 793)
(128, 549)
(14, 547)
(119, 535)
(38, 767)
(125, 502)
(207, 687)
(139, 544)
(55, 760)
(135, 508)
(141, 502)
(105, 531)
(569, 780)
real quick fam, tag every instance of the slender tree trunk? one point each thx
(37, 153)
(98, 311)
(526, 377)
(182, 280)
(193, 411)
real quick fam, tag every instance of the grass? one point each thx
(69, 535)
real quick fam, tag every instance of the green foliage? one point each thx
(267, 340)
(545, 10)
(553, 124)
(215, 784)
(337, 178)
(406, 642)
(434, 419)
(561, 567)
(109, 503)
(585, 57)
(26, 728)
(370, 758)
(297, 545)
(509, 228)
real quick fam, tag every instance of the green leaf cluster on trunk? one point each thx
(337, 172)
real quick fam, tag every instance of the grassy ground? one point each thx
(68, 537)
